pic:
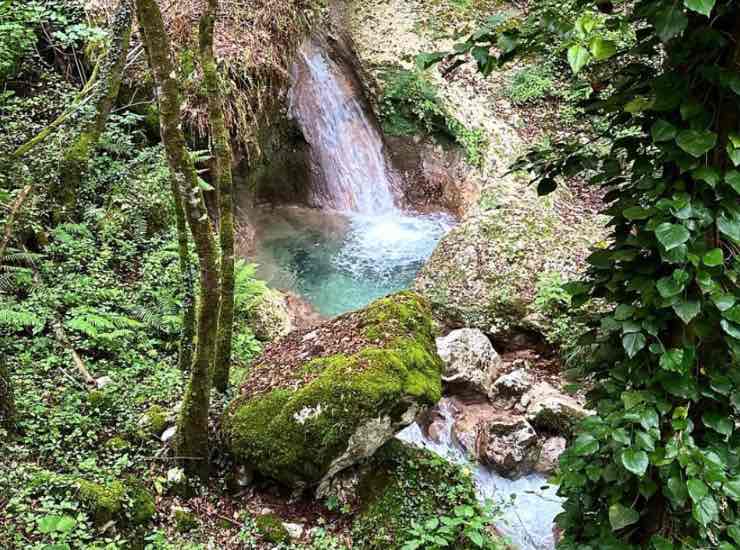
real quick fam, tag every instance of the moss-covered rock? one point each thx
(185, 520)
(405, 486)
(130, 502)
(154, 420)
(321, 399)
(271, 527)
(269, 317)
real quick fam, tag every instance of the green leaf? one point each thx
(729, 227)
(676, 491)
(723, 301)
(708, 174)
(714, 257)
(669, 287)
(697, 489)
(732, 489)
(578, 57)
(733, 180)
(696, 142)
(669, 22)
(733, 153)
(620, 516)
(603, 49)
(718, 422)
(687, 310)
(730, 328)
(671, 235)
(633, 343)
(546, 186)
(662, 130)
(705, 511)
(672, 360)
(703, 7)
(636, 213)
(635, 461)
(585, 444)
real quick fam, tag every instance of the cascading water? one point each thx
(350, 172)
(527, 518)
(359, 246)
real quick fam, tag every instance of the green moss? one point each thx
(272, 529)
(185, 520)
(104, 501)
(143, 506)
(293, 435)
(405, 485)
(117, 443)
(154, 420)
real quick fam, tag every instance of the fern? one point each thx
(247, 288)
(99, 324)
(18, 320)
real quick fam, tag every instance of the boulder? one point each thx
(470, 360)
(468, 419)
(513, 384)
(313, 406)
(509, 445)
(549, 409)
(550, 455)
(269, 317)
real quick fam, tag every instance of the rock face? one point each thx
(470, 360)
(549, 409)
(319, 400)
(509, 445)
(550, 455)
(269, 317)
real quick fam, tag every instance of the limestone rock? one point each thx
(509, 445)
(311, 407)
(269, 317)
(470, 359)
(549, 409)
(469, 417)
(550, 455)
(513, 384)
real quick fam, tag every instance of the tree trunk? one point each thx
(192, 438)
(77, 155)
(7, 401)
(224, 183)
(185, 359)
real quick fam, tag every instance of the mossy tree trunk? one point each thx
(77, 155)
(7, 401)
(223, 180)
(192, 437)
(185, 359)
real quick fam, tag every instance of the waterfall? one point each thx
(348, 164)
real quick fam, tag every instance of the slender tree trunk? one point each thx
(7, 401)
(223, 180)
(192, 438)
(77, 155)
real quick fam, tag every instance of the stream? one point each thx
(359, 246)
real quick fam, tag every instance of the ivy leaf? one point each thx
(620, 516)
(669, 287)
(636, 213)
(676, 491)
(733, 153)
(732, 489)
(703, 7)
(578, 57)
(633, 343)
(662, 130)
(718, 422)
(696, 142)
(585, 444)
(705, 511)
(546, 186)
(732, 314)
(603, 49)
(635, 461)
(730, 328)
(669, 22)
(723, 301)
(730, 227)
(687, 310)
(714, 257)
(733, 180)
(671, 235)
(672, 360)
(708, 174)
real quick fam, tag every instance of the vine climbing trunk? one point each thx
(223, 180)
(77, 155)
(7, 401)
(192, 434)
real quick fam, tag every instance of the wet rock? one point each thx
(509, 445)
(269, 317)
(469, 417)
(470, 360)
(311, 407)
(513, 384)
(550, 455)
(549, 409)
(433, 424)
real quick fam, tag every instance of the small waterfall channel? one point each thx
(529, 504)
(359, 245)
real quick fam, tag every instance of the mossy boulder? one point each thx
(271, 527)
(321, 399)
(154, 421)
(269, 317)
(403, 486)
(130, 502)
(185, 520)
